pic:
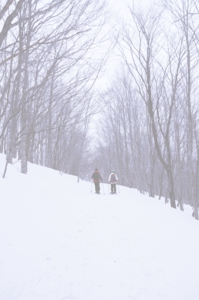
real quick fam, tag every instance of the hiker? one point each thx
(96, 179)
(113, 180)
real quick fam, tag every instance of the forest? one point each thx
(144, 123)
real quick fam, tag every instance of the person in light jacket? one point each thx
(113, 181)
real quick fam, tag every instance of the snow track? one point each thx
(59, 241)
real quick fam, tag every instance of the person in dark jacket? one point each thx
(96, 179)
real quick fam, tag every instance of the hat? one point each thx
(96, 169)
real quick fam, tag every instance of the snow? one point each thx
(59, 241)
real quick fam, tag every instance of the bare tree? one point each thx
(184, 15)
(48, 48)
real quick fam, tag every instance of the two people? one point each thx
(112, 180)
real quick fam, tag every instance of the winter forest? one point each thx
(56, 111)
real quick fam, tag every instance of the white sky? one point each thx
(119, 10)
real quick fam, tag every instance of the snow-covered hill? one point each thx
(59, 241)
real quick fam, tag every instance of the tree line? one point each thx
(149, 131)
(46, 80)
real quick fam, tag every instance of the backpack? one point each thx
(96, 176)
(113, 178)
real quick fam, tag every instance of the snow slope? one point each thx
(59, 241)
